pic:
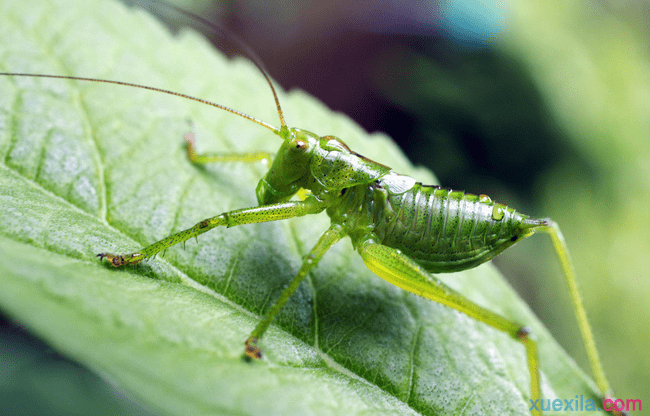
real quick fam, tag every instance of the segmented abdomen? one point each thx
(447, 231)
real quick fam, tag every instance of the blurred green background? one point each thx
(544, 106)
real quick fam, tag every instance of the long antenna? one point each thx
(145, 87)
(231, 37)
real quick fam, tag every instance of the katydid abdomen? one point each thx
(441, 229)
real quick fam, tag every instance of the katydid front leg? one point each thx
(265, 213)
(201, 158)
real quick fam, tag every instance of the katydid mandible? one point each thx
(403, 230)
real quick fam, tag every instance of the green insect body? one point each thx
(440, 229)
(403, 230)
(449, 231)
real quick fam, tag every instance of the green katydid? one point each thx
(403, 230)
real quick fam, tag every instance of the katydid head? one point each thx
(319, 164)
(290, 170)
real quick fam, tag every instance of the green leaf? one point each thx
(90, 167)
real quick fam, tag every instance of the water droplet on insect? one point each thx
(498, 212)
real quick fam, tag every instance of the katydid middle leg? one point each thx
(327, 240)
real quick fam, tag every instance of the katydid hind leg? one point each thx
(401, 271)
(562, 252)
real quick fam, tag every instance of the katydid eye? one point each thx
(300, 145)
